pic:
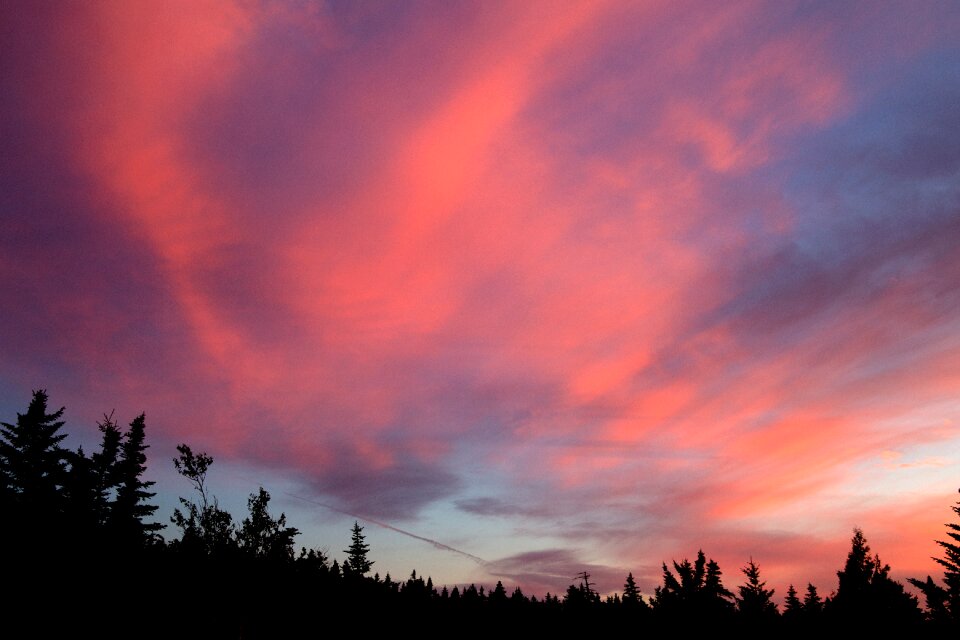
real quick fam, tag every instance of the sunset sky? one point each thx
(562, 286)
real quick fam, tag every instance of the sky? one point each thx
(557, 286)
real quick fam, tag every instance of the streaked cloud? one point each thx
(632, 278)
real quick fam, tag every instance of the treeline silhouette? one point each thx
(82, 554)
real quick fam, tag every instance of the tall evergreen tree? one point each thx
(943, 604)
(697, 589)
(32, 470)
(498, 597)
(357, 552)
(855, 576)
(792, 607)
(812, 604)
(105, 465)
(631, 594)
(866, 592)
(132, 507)
(755, 602)
(716, 599)
(81, 504)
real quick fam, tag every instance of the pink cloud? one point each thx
(560, 241)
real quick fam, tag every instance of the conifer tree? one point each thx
(697, 589)
(792, 607)
(81, 498)
(943, 604)
(357, 552)
(755, 601)
(812, 604)
(717, 599)
(131, 507)
(32, 463)
(105, 465)
(866, 591)
(32, 470)
(855, 576)
(498, 597)
(631, 594)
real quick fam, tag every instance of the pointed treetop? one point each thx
(357, 552)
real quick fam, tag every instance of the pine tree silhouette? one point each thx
(792, 606)
(867, 593)
(631, 594)
(755, 603)
(943, 604)
(357, 552)
(32, 472)
(812, 604)
(105, 465)
(131, 507)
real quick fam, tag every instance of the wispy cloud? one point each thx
(590, 273)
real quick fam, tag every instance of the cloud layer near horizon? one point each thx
(624, 279)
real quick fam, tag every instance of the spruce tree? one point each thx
(82, 512)
(631, 594)
(498, 597)
(943, 604)
(754, 602)
(866, 591)
(357, 552)
(697, 589)
(717, 599)
(852, 593)
(131, 506)
(812, 604)
(105, 465)
(32, 472)
(792, 607)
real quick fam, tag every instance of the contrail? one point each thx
(383, 525)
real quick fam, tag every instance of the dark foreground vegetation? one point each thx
(81, 553)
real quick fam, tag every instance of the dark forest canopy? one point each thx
(79, 530)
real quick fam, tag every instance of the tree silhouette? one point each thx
(713, 588)
(866, 591)
(856, 574)
(82, 508)
(792, 607)
(942, 603)
(97, 506)
(33, 469)
(131, 507)
(32, 463)
(105, 465)
(631, 593)
(263, 537)
(206, 528)
(498, 597)
(697, 589)
(812, 604)
(755, 601)
(357, 552)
